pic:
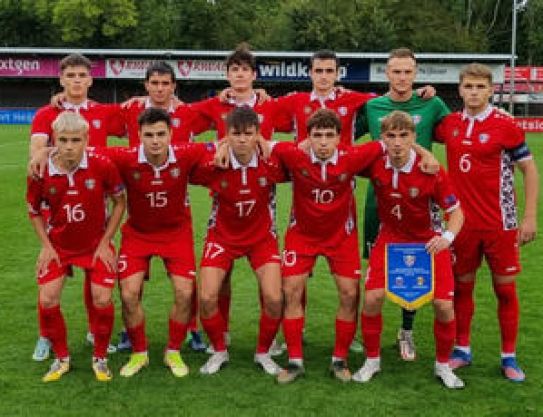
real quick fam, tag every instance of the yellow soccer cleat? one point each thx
(134, 364)
(173, 360)
(58, 368)
(101, 370)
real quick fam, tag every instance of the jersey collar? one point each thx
(332, 160)
(250, 103)
(142, 159)
(330, 97)
(148, 104)
(53, 170)
(253, 163)
(76, 107)
(479, 117)
(407, 168)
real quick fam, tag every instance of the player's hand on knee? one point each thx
(106, 255)
(46, 256)
(437, 244)
(527, 230)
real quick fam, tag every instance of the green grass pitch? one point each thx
(402, 389)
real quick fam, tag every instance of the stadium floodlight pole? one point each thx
(517, 6)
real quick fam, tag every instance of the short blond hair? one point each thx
(397, 120)
(476, 70)
(69, 121)
(402, 53)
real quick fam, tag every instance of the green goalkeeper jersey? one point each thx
(426, 115)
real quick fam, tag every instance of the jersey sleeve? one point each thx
(204, 172)
(116, 125)
(361, 124)
(41, 124)
(204, 109)
(442, 109)
(34, 188)
(286, 154)
(198, 122)
(113, 182)
(360, 99)
(444, 193)
(282, 119)
(363, 156)
(441, 129)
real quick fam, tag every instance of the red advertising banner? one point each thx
(16, 66)
(530, 124)
(521, 73)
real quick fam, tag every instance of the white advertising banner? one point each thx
(185, 69)
(440, 73)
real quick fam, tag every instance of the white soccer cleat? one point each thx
(368, 370)
(447, 376)
(215, 363)
(267, 363)
(276, 349)
(42, 349)
(406, 345)
(227, 340)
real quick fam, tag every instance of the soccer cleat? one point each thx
(195, 341)
(292, 372)
(356, 346)
(42, 349)
(447, 376)
(58, 368)
(173, 360)
(215, 363)
(459, 359)
(511, 370)
(124, 344)
(340, 371)
(368, 370)
(136, 362)
(276, 349)
(210, 350)
(267, 363)
(406, 345)
(101, 370)
(90, 340)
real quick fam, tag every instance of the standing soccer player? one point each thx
(156, 174)
(483, 146)
(404, 198)
(401, 70)
(75, 79)
(74, 188)
(241, 224)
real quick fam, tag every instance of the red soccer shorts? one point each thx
(219, 254)
(444, 278)
(300, 254)
(499, 247)
(97, 273)
(176, 253)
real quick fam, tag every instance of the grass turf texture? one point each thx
(241, 389)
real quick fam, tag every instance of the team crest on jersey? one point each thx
(305, 173)
(175, 172)
(262, 181)
(409, 260)
(483, 137)
(308, 110)
(342, 111)
(176, 122)
(97, 123)
(52, 190)
(413, 192)
(417, 118)
(342, 177)
(90, 183)
(224, 184)
(136, 175)
(455, 133)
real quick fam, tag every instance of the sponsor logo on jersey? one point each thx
(466, 142)
(175, 172)
(262, 181)
(417, 118)
(395, 195)
(409, 260)
(96, 123)
(90, 183)
(342, 111)
(484, 137)
(176, 122)
(308, 110)
(413, 192)
(224, 184)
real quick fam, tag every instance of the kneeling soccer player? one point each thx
(404, 199)
(74, 187)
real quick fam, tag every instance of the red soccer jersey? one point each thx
(405, 198)
(480, 156)
(185, 123)
(215, 112)
(322, 203)
(77, 202)
(157, 197)
(104, 120)
(243, 200)
(300, 106)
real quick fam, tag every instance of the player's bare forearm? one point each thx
(528, 226)
(39, 228)
(117, 211)
(37, 143)
(456, 220)
(443, 241)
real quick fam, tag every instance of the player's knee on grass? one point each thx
(444, 310)
(373, 301)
